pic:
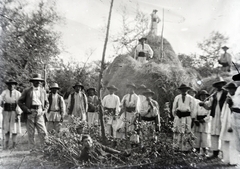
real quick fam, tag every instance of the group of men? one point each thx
(45, 112)
(212, 119)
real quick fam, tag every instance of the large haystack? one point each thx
(162, 78)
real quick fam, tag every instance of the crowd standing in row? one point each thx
(213, 119)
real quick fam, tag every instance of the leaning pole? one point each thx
(101, 74)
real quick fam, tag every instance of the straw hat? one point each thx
(203, 92)
(112, 87)
(78, 84)
(183, 86)
(36, 77)
(132, 85)
(148, 92)
(225, 48)
(230, 85)
(54, 86)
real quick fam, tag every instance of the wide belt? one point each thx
(235, 110)
(130, 109)
(183, 113)
(141, 54)
(154, 20)
(36, 107)
(9, 106)
(201, 117)
(110, 111)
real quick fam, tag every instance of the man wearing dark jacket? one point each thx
(34, 102)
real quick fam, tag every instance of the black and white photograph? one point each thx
(119, 84)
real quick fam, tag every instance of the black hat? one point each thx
(112, 87)
(236, 77)
(91, 88)
(78, 84)
(132, 85)
(203, 92)
(230, 85)
(148, 91)
(36, 77)
(11, 81)
(183, 86)
(225, 48)
(220, 82)
(142, 38)
(155, 10)
(54, 86)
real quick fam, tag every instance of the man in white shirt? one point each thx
(225, 60)
(11, 113)
(34, 103)
(77, 103)
(143, 51)
(56, 109)
(154, 22)
(183, 107)
(111, 105)
(130, 105)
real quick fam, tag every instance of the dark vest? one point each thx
(73, 101)
(221, 102)
(58, 101)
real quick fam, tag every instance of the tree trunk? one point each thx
(101, 74)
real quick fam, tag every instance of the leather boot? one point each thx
(6, 145)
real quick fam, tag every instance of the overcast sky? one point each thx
(187, 23)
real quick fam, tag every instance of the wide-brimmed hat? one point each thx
(148, 92)
(11, 81)
(230, 85)
(36, 77)
(225, 48)
(112, 87)
(236, 77)
(219, 82)
(78, 84)
(132, 85)
(155, 10)
(91, 88)
(183, 86)
(142, 86)
(54, 86)
(203, 92)
(142, 38)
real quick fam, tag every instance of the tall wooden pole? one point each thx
(162, 36)
(101, 74)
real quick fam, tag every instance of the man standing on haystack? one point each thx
(11, 113)
(56, 109)
(34, 103)
(154, 22)
(215, 104)
(130, 105)
(143, 51)
(77, 103)
(93, 102)
(111, 105)
(183, 107)
(225, 60)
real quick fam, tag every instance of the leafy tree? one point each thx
(211, 48)
(27, 39)
(131, 31)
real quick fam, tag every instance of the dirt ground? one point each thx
(20, 158)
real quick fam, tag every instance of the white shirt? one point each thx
(236, 98)
(134, 101)
(187, 105)
(111, 101)
(146, 49)
(36, 96)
